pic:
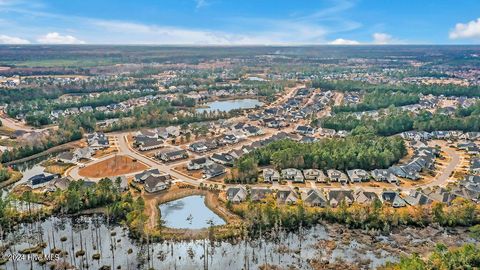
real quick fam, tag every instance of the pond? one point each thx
(228, 105)
(31, 168)
(189, 213)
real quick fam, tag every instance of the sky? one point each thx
(240, 22)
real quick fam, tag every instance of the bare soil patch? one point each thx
(114, 166)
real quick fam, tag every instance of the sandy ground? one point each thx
(114, 166)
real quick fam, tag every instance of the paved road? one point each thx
(455, 159)
(13, 124)
(125, 149)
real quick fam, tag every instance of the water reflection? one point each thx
(189, 213)
(96, 236)
(228, 105)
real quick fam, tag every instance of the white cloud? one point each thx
(382, 38)
(278, 33)
(302, 29)
(201, 3)
(466, 30)
(56, 38)
(341, 41)
(4, 39)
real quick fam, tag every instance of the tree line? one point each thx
(376, 100)
(268, 214)
(362, 150)
(434, 89)
(396, 121)
(464, 257)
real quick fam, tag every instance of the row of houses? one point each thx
(439, 135)
(469, 147)
(314, 197)
(352, 176)
(228, 158)
(422, 160)
(333, 197)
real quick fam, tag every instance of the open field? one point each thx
(114, 166)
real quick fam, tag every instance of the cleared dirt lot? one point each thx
(114, 166)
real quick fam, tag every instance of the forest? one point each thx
(377, 100)
(362, 150)
(464, 257)
(434, 89)
(268, 214)
(395, 121)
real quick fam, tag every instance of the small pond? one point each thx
(228, 105)
(189, 213)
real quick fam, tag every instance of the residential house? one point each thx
(358, 175)
(213, 170)
(270, 175)
(287, 196)
(336, 196)
(154, 183)
(365, 197)
(237, 194)
(140, 177)
(83, 153)
(314, 174)
(473, 150)
(162, 133)
(440, 195)
(198, 147)
(98, 140)
(305, 130)
(252, 131)
(147, 143)
(41, 180)
(230, 139)
(382, 175)
(475, 165)
(224, 159)
(173, 155)
(258, 194)
(393, 198)
(337, 176)
(405, 171)
(415, 198)
(57, 183)
(66, 157)
(293, 174)
(198, 163)
(315, 197)
(173, 131)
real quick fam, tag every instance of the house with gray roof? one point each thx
(237, 194)
(417, 198)
(337, 176)
(364, 197)
(270, 175)
(384, 175)
(288, 196)
(293, 174)
(315, 197)
(358, 175)
(314, 174)
(336, 196)
(392, 198)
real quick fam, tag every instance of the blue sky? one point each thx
(242, 22)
